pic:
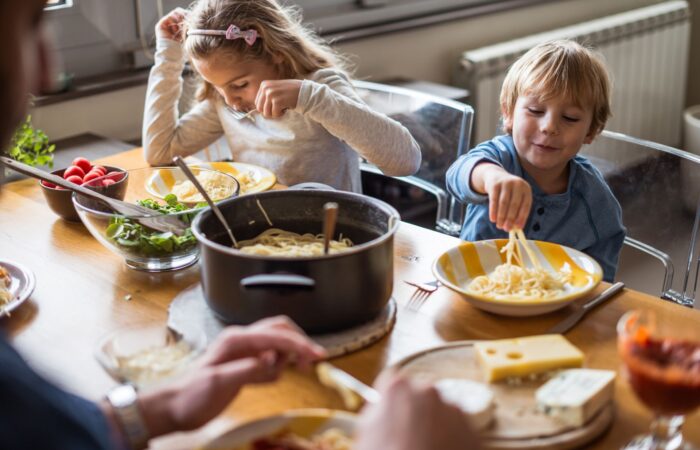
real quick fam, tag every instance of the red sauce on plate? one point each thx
(665, 373)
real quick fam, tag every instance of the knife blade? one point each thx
(568, 323)
(346, 385)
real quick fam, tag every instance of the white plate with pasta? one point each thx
(17, 284)
(539, 277)
(251, 177)
(307, 429)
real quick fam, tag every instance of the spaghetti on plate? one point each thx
(514, 281)
(332, 439)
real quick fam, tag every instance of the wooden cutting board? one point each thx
(517, 423)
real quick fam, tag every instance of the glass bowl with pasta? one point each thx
(129, 236)
(302, 429)
(517, 277)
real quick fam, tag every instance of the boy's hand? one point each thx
(510, 197)
(277, 96)
(171, 26)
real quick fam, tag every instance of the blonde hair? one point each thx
(281, 37)
(560, 68)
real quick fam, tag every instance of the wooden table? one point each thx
(82, 290)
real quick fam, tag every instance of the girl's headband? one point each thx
(233, 32)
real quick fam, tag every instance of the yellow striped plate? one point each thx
(457, 267)
(252, 178)
(302, 422)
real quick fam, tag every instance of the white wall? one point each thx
(428, 53)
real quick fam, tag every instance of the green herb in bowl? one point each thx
(138, 239)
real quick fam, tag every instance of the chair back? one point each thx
(658, 187)
(442, 128)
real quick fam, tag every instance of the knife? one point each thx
(568, 323)
(347, 386)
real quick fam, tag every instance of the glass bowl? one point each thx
(141, 247)
(146, 356)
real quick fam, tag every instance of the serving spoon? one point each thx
(330, 217)
(153, 219)
(217, 212)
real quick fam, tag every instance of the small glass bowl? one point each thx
(147, 250)
(146, 356)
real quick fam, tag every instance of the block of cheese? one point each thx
(574, 396)
(475, 399)
(521, 357)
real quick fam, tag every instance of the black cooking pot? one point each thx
(321, 294)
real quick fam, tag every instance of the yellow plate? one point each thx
(252, 178)
(302, 422)
(457, 267)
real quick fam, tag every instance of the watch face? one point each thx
(122, 396)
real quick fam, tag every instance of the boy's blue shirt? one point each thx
(586, 217)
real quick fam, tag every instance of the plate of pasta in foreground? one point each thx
(302, 429)
(517, 277)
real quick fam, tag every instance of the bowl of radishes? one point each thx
(108, 180)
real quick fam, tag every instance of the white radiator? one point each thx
(646, 51)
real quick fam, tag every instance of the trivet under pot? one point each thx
(189, 315)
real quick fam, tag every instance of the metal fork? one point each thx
(421, 294)
(240, 115)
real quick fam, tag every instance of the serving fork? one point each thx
(145, 216)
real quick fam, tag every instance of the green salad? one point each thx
(141, 240)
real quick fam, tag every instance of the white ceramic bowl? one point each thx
(457, 267)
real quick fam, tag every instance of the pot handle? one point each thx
(263, 281)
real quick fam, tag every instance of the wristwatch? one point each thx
(124, 402)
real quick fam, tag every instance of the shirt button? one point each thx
(536, 227)
(540, 210)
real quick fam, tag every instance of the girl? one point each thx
(306, 122)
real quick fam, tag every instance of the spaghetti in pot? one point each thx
(513, 281)
(276, 242)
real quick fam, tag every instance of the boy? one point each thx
(554, 99)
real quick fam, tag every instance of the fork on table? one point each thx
(421, 294)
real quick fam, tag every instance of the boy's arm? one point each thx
(164, 134)
(381, 140)
(472, 177)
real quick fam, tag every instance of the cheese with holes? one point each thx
(574, 396)
(475, 399)
(525, 356)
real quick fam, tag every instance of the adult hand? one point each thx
(412, 416)
(171, 26)
(239, 356)
(510, 197)
(276, 96)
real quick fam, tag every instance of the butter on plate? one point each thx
(521, 357)
(574, 396)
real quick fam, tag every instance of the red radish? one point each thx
(83, 163)
(73, 170)
(75, 179)
(100, 168)
(107, 182)
(93, 174)
(49, 185)
(115, 176)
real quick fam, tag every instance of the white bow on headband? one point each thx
(233, 32)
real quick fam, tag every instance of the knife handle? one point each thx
(606, 294)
